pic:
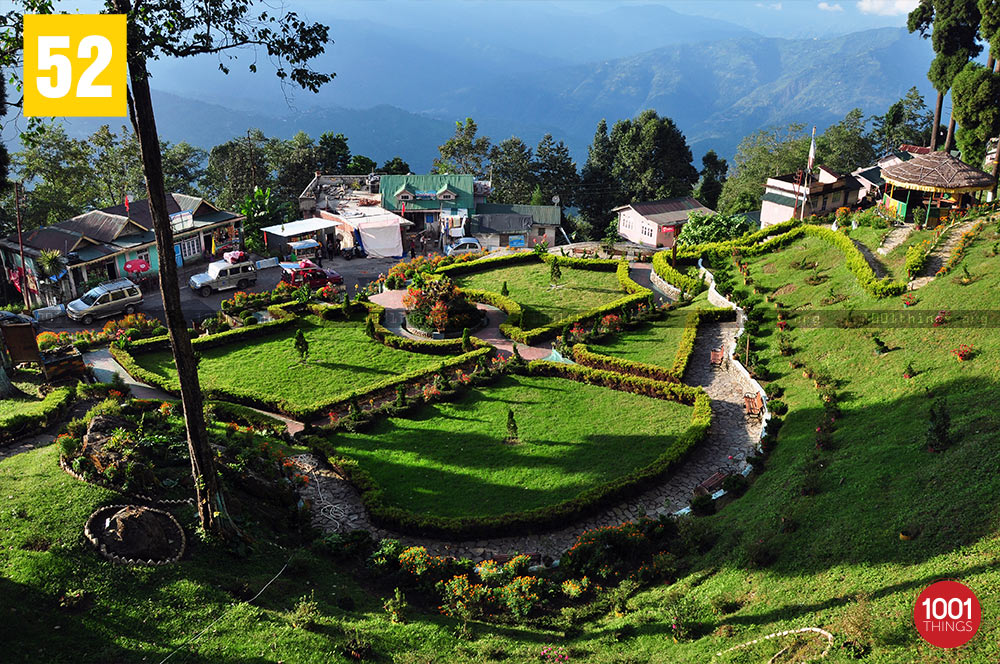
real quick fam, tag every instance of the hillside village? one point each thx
(274, 402)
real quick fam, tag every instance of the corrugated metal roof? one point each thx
(548, 215)
(501, 223)
(668, 211)
(772, 197)
(49, 237)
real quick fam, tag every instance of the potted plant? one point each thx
(909, 300)
(963, 352)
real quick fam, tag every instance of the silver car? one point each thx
(222, 275)
(108, 299)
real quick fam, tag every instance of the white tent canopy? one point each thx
(381, 238)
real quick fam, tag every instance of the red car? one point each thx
(315, 277)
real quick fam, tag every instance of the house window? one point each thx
(143, 255)
(541, 232)
(190, 247)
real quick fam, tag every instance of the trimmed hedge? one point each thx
(232, 412)
(128, 362)
(857, 264)
(38, 414)
(583, 355)
(553, 516)
(487, 263)
(430, 346)
(672, 276)
(157, 344)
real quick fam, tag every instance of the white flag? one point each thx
(812, 151)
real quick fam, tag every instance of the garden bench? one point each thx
(711, 485)
(753, 405)
(716, 357)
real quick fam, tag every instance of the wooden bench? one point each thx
(716, 357)
(711, 485)
(753, 405)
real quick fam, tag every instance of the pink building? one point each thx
(829, 190)
(657, 223)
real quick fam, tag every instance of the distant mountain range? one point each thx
(717, 91)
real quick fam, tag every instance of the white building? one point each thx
(656, 223)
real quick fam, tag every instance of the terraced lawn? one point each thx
(653, 343)
(341, 359)
(529, 285)
(451, 460)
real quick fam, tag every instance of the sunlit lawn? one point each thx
(530, 286)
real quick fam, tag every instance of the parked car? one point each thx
(315, 277)
(465, 245)
(120, 296)
(223, 275)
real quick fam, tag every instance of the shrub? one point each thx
(385, 557)
(395, 607)
(306, 612)
(735, 484)
(777, 406)
(503, 290)
(939, 427)
(521, 596)
(512, 438)
(702, 505)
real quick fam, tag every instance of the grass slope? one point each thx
(341, 359)
(530, 286)
(452, 460)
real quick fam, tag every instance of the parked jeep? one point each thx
(108, 299)
(223, 275)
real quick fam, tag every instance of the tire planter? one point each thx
(97, 533)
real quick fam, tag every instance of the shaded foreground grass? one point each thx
(341, 359)
(529, 285)
(452, 459)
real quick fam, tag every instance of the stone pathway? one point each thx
(896, 237)
(939, 256)
(874, 262)
(730, 440)
(104, 366)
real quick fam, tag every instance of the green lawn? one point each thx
(895, 260)
(451, 460)
(653, 343)
(529, 285)
(341, 359)
(868, 236)
(29, 399)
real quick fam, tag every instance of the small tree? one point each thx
(555, 274)
(938, 428)
(503, 290)
(466, 340)
(512, 437)
(401, 396)
(345, 306)
(370, 327)
(301, 345)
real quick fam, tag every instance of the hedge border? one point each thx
(856, 263)
(52, 406)
(546, 518)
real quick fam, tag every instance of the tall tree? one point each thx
(116, 166)
(976, 102)
(989, 29)
(598, 192)
(167, 28)
(183, 167)
(361, 165)
(652, 158)
(713, 177)
(511, 173)
(60, 174)
(334, 155)
(846, 145)
(293, 163)
(905, 121)
(763, 154)
(395, 166)
(464, 152)
(954, 26)
(555, 171)
(236, 168)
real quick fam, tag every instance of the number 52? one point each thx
(58, 86)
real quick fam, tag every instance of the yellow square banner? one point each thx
(74, 65)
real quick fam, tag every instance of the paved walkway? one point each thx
(338, 508)
(104, 367)
(896, 237)
(939, 256)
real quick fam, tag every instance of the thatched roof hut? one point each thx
(937, 172)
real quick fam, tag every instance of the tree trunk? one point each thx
(990, 61)
(210, 504)
(6, 387)
(937, 120)
(950, 140)
(996, 170)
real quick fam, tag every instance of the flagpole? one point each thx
(809, 165)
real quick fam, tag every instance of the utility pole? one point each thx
(23, 278)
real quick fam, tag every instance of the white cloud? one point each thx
(827, 7)
(887, 7)
(776, 6)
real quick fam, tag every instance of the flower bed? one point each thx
(958, 252)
